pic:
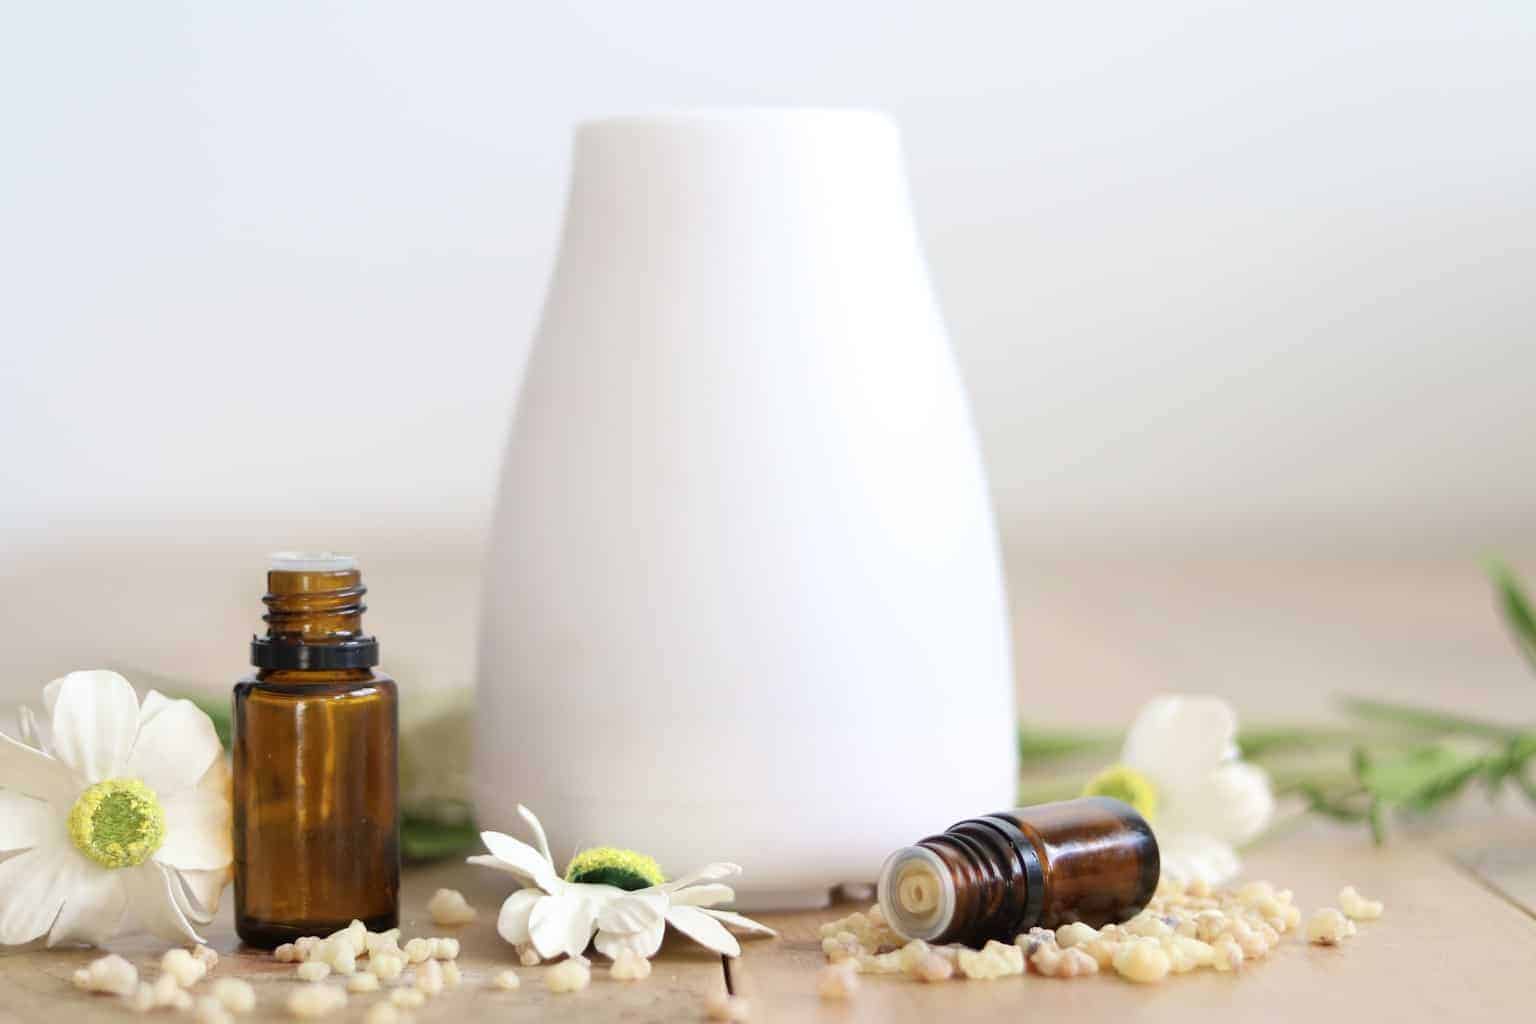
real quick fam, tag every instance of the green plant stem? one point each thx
(1043, 745)
(1427, 720)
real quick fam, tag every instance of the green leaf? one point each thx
(1426, 720)
(1420, 778)
(426, 838)
(1337, 807)
(1038, 745)
(1517, 609)
(1378, 823)
(1258, 742)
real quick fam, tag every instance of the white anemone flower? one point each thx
(555, 916)
(1181, 769)
(112, 810)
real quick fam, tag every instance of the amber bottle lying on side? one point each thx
(316, 793)
(1093, 860)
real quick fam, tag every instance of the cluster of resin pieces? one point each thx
(406, 975)
(173, 988)
(418, 970)
(1183, 928)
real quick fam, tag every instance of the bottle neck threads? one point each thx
(983, 876)
(314, 621)
(1093, 860)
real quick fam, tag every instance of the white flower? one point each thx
(1180, 767)
(555, 916)
(117, 810)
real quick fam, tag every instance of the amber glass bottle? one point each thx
(316, 791)
(1093, 860)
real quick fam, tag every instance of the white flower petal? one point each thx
(51, 696)
(633, 912)
(31, 772)
(485, 860)
(197, 831)
(523, 859)
(154, 702)
(642, 943)
(153, 903)
(746, 924)
(95, 720)
(1186, 857)
(703, 895)
(33, 886)
(1234, 804)
(699, 926)
(33, 732)
(25, 822)
(562, 924)
(93, 909)
(216, 779)
(538, 831)
(1178, 739)
(198, 896)
(174, 748)
(707, 873)
(512, 923)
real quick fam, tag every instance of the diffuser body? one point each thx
(743, 598)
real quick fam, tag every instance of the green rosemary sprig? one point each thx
(1517, 609)
(1402, 758)
(1425, 720)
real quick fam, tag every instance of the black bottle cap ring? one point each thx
(267, 653)
(1029, 861)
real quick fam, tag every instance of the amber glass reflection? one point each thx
(316, 803)
(1098, 856)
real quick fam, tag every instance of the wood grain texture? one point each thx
(1448, 947)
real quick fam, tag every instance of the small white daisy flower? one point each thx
(557, 915)
(1180, 768)
(114, 809)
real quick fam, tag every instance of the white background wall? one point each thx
(1254, 279)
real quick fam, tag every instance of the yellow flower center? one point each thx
(118, 823)
(1126, 785)
(609, 865)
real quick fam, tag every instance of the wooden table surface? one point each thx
(1279, 640)
(1450, 946)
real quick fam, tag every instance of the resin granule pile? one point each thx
(1183, 928)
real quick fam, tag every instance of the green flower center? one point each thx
(118, 823)
(1126, 785)
(609, 865)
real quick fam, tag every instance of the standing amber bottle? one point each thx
(316, 789)
(1093, 860)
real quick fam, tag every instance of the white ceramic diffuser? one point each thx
(743, 598)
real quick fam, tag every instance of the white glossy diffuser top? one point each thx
(743, 598)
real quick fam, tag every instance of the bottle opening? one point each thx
(916, 893)
(312, 561)
(314, 614)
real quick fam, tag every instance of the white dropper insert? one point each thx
(916, 893)
(312, 561)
